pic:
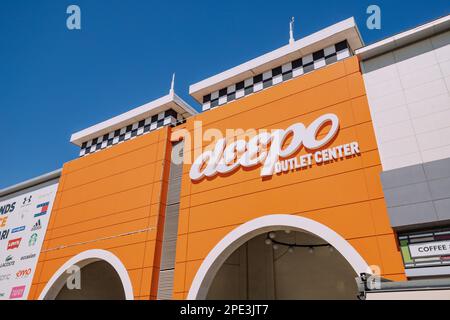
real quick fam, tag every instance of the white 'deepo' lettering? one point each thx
(221, 158)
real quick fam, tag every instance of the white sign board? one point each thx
(23, 223)
(430, 249)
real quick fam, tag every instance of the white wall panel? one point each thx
(421, 77)
(391, 116)
(401, 161)
(384, 88)
(445, 67)
(395, 131)
(409, 99)
(399, 147)
(417, 56)
(434, 139)
(432, 121)
(447, 82)
(441, 44)
(436, 154)
(429, 106)
(426, 90)
(387, 102)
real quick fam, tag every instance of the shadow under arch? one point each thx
(86, 259)
(233, 240)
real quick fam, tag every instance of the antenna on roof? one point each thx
(172, 84)
(291, 31)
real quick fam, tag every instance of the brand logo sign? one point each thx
(37, 225)
(23, 273)
(26, 200)
(33, 239)
(14, 243)
(4, 234)
(8, 262)
(43, 209)
(7, 208)
(3, 221)
(269, 150)
(29, 256)
(18, 229)
(6, 276)
(17, 292)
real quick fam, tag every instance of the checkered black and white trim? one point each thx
(165, 118)
(277, 75)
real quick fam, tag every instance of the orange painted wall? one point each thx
(113, 192)
(346, 195)
(123, 189)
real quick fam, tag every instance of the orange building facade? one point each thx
(124, 189)
(138, 225)
(345, 196)
(112, 193)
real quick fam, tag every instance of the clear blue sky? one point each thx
(54, 82)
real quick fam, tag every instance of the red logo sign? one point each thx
(23, 273)
(17, 292)
(14, 243)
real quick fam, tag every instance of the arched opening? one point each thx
(292, 265)
(101, 277)
(99, 281)
(280, 257)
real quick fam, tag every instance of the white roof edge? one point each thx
(129, 117)
(404, 38)
(31, 182)
(185, 105)
(278, 54)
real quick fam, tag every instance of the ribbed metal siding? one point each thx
(165, 284)
(169, 245)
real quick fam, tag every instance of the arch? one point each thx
(243, 233)
(57, 281)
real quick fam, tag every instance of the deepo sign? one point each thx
(225, 158)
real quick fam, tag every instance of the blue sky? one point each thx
(54, 82)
